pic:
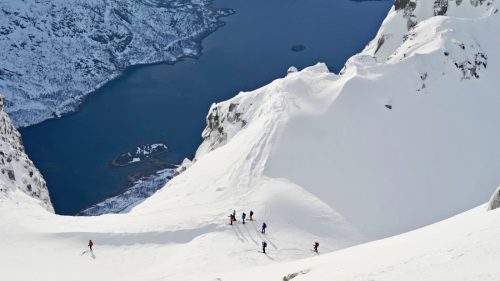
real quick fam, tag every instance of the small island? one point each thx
(140, 153)
(298, 48)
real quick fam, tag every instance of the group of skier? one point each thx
(232, 218)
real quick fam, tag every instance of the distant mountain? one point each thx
(54, 52)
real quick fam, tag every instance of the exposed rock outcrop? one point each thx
(17, 172)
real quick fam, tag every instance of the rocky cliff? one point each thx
(18, 175)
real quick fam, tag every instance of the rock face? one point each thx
(399, 25)
(54, 52)
(223, 121)
(17, 172)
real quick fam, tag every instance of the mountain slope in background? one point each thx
(18, 176)
(54, 52)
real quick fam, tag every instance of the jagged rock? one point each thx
(470, 68)
(18, 172)
(440, 7)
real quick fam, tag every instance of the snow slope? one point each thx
(54, 52)
(463, 248)
(404, 136)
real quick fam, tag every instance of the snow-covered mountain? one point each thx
(407, 134)
(20, 180)
(54, 52)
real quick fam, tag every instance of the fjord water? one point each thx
(168, 103)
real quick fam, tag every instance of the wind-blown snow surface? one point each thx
(54, 52)
(319, 157)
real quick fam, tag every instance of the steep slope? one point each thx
(54, 52)
(18, 176)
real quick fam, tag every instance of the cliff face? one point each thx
(18, 175)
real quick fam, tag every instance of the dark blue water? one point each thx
(168, 103)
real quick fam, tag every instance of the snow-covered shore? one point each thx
(55, 52)
(135, 194)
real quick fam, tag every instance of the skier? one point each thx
(264, 226)
(234, 214)
(251, 215)
(264, 245)
(231, 219)
(316, 245)
(91, 244)
(243, 216)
